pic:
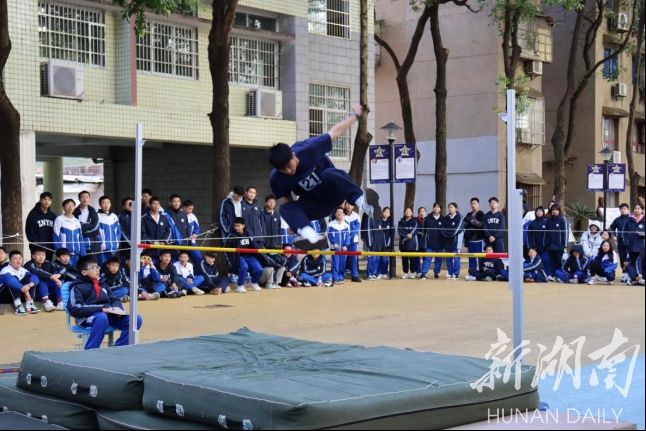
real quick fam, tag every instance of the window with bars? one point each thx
(530, 124)
(329, 17)
(609, 137)
(253, 62)
(532, 196)
(637, 137)
(535, 39)
(71, 33)
(168, 49)
(611, 66)
(330, 104)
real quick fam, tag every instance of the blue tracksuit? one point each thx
(405, 228)
(286, 235)
(368, 236)
(228, 214)
(87, 308)
(125, 223)
(118, 283)
(495, 225)
(339, 236)
(434, 242)
(574, 267)
(474, 236)
(452, 227)
(110, 234)
(212, 278)
(313, 269)
(68, 272)
(178, 223)
(46, 286)
(252, 215)
(487, 268)
(617, 228)
(533, 268)
(243, 263)
(150, 280)
(90, 227)
(603, 265)
(272, 229)
(536, 239)
(155, 231)
(636, 267)
(354, 221)
(15, 279)
(634, 237)
(194, 229)
(556, 239)
(67, 234)
(383, 240)
(321, 187)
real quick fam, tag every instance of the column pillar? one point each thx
(53, 180)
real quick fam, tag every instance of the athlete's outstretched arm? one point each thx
(338, 129)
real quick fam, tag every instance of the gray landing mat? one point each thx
(334, 386)
(17, 421)
(55, 411)
(140, 420)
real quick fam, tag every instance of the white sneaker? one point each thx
(448, 276)
(470, 278)
(413, 275)
(327, 284)
(405, 276)
(602, 279)
(309, 234)
(379, 277)
(362, 204)
(197, 291)
(270, 286)
(255, 287)
(241, 289)
(60, 306)
(49, 306)
(591, 281)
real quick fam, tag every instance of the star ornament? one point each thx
(404, 151)
(379, 152)
(596, 169)
(616, 170)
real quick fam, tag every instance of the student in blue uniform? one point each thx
(252, 215)
(604, 266)
(634, 233)
(575, 268)
(338, 232)
(49, 286)
(433, 224)
(635, 270)
(271, 223)
(125, 220)
(89, 219)
(214, 283)
(305, 170)
(154, 226)
(453, 226)
(115, 277)
(243, 263)
(556, 239)
(20, 283)
(383, 240)
(68, 232)
(354, 221)
(110, 230)
(533, 268)
(408, 241)
(536, 234)
(488, 270)
(421, 242)
(473, 236)
(39, 226)
(177, 221)
(494, 226)
(618, 228)
(313, 271)
(63, 266)
(368, 236)
(230, 208)
(193, 229)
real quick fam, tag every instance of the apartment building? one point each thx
(81, 79)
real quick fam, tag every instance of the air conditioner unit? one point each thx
(622, 22)
(616, 157)
(62, 79)
(534, 68)
(265, 103)
(524, 136)
(620, 89)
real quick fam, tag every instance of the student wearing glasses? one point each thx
(93, 307)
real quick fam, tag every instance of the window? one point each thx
(329, 17)
(168, 49)
(610, 132)
(637, 138)
(611, 66)
(253, 62)
(71, 33)
(328, 105)
(530, 124)
(257, 22)
(535, 39)
(532, 196)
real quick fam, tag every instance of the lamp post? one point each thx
(391, 128)
(606, 154)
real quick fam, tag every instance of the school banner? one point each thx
(379, 164)
(405, 163)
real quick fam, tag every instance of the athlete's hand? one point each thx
(357, 109)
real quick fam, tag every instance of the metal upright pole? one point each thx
(135, 236)
(515, 215)
(605, 192)
(392, 260)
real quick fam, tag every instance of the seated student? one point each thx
(186, 278)
(243, 263)
(92, 306)
(49, 286)
(214, 283)
(4, 261)
(603, 266)
(533, 268)
(635, 270)
(488, 269)
(313, 271)
(115, 277)
(20, 283)
(575, 268)
(291, 268)
(273, 270)
(63, 266)
(150, 283)
(169, 277)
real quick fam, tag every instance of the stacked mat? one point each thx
(257, 381)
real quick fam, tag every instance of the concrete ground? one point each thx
(456, 317)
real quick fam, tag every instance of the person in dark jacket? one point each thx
(20, 282)
(243, 263)
(313, 271)
(368, 236)
(453, 225)
(556, 239)
(575, 268)
(634, 233)
(489, 268)
(383, 240)
(617, 228)
(214, 283)
(177, 221)
(536, 237)
(115, 277)
(271, 223)
(125, 221)
(92, 306)
(154, 226)
(49, 285)
(173, 287)
(63, 266)
(494, 226)
(604, 266)
(433, 224)
(473, 235)
(252, 215)
(408, 241)
(635, 270)
(89, 218)
(291, 268)
(533, 270)
(230, 208)
(150, 283)
(39, 226)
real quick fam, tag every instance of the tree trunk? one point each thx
(223, 14)
(363, 137)
(10, 183)
(441, 56)
(633, 176)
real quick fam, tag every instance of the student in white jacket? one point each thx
(591, 241)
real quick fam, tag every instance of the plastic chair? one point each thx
(80, 331)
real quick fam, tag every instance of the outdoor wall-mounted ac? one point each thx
(62, 79)
(620, 89)
(622, 22)
(616, 157)
(524, 136)
(265, 103)
(535, 68)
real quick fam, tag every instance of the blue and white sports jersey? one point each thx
(354, 221)
(339, 234)
(67, 234)
(193, 226)
(110, 231)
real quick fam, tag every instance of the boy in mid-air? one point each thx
(305, 170)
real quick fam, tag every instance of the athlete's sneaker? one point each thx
(197, 291)
(379, 276)
(255, 287)
(574, 280)
(241, 289)
(310, 240)
(362, 204)
(20, 310)
(31, 308)
(48, 306)
(340, 281)
(173, 294)
(499, 278)
(470, 278)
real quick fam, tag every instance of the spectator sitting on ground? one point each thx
(168, 275)
(186, 278)
(63, 266)
(488, 269)
(49, 286)
(20, 283)
(273, 270)
(214, 283)
(291, 268)
(92, 306)
(3, 257)
(150, 283)
(313, 271)
(603, 267)
(575, 268)
(115, 277)
(243, 263)
(533, 268)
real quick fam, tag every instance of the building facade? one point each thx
(81, 79)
